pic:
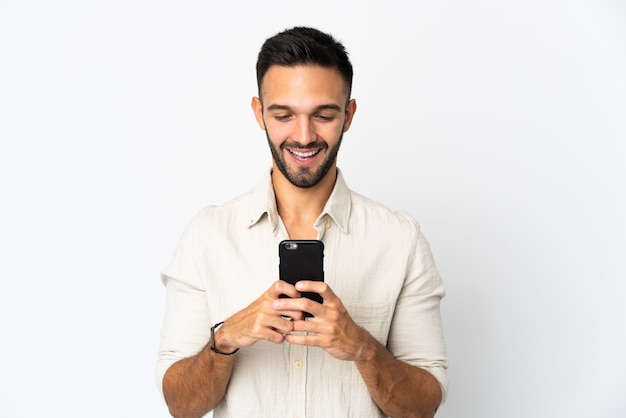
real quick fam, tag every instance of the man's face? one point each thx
(304, 111)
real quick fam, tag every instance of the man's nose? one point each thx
(305, 131)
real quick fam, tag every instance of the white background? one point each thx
(501, 126)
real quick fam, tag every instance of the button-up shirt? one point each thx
(375, 260)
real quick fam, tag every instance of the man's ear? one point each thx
(350, 111)
(257, 108)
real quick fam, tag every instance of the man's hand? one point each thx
(399, 389)
(260, 320)
(195, 385)
(331, 327)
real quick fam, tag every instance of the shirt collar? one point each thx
(263, 202)
(337, 207)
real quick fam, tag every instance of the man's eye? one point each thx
(325, 118)
(282, 118)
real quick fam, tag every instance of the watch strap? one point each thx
(212, 341)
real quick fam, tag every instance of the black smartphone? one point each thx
(302, 260)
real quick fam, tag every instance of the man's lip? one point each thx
(304, 156)
(307, 153)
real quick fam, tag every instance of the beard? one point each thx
(304, 177)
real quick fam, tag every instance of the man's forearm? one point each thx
(399, 389)
(195, 385)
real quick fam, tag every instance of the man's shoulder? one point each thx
(240, 211)
(228, 209)
(374, 211)
(366, 204)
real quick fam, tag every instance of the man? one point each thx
(374, 347)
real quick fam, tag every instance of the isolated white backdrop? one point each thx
(499, 125)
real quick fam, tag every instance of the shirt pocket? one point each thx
(374, 317)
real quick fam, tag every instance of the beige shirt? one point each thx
(376, 260)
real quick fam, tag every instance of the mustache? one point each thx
(310, 145)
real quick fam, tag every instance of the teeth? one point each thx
(304, 154)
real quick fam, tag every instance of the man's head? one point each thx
(304, 46)
(304, 103)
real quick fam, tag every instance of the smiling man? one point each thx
(306, 107)
(230, 344)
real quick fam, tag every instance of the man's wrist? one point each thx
(213, 345)
(369, 348)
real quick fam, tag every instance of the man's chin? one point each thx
(302, 178)
(303, 181)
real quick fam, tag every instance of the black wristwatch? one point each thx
(212, 341)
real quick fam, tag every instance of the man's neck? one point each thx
(300, 207)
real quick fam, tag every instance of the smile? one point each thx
(303, 155)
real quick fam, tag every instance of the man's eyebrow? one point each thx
(329, 106)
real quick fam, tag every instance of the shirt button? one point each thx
(297, 364)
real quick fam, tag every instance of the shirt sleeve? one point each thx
(186, 325)
(416, 334)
